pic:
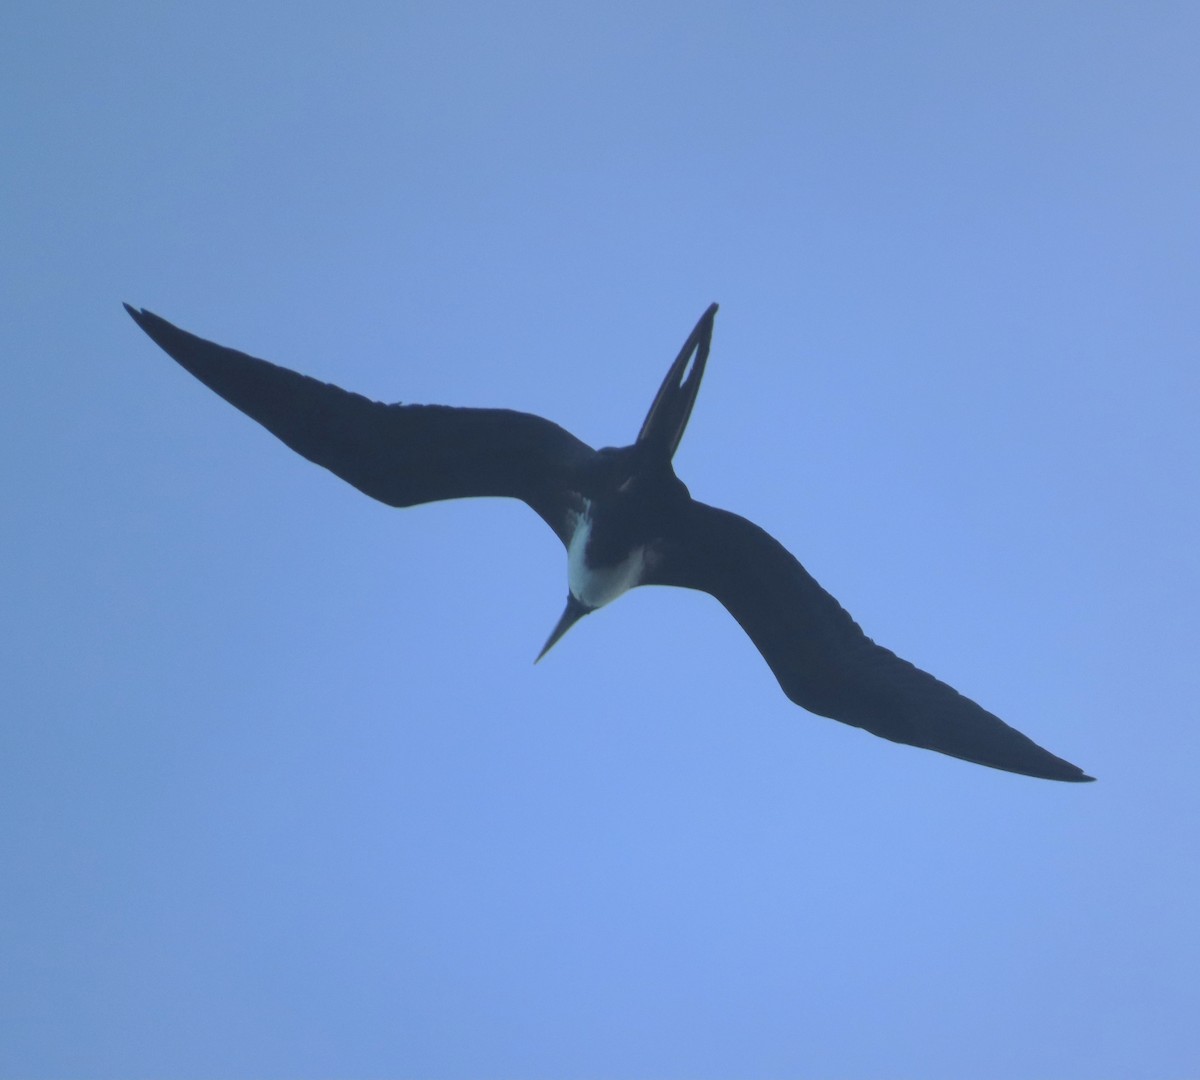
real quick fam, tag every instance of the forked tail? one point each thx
(672, 407)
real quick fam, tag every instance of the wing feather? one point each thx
(401, 455)
(821, 657)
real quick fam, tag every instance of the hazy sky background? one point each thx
(281, 793)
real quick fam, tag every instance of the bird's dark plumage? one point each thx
(824, 661)
(625, 520)
(402, 455)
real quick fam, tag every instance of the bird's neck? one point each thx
(599, 569)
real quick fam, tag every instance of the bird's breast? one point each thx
(595, 582)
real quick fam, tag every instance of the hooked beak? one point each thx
(576, 610)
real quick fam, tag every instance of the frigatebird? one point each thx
(625, 519)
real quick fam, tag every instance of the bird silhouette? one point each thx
(625, 519)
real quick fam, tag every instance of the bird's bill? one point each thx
(575, 611)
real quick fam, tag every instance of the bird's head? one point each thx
(575, 610)
(608, 554)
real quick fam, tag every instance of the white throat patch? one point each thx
(599, 586)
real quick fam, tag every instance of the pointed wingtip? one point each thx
(1071, 774)
(155, 326)
(138, 315)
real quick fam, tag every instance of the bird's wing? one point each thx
(401, 455)
(823, 661)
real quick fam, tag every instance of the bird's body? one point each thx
(626, 520)
(594, 583)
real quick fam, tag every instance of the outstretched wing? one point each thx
(401, 455)
(823, 661)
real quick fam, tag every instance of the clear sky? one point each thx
(281, 792)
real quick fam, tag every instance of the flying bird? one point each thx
(625, 519)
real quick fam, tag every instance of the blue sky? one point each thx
(281, 793)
